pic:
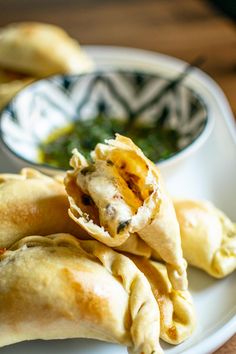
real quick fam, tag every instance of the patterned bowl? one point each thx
(55, 102)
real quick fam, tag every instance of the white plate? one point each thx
(209, 174)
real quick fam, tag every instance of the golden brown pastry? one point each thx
(208, 237)
(135, 245)
(32, 203)
(59, 287)
(121, 194)
(40, 49)
(177, 314)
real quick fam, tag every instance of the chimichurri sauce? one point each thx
(156, 142)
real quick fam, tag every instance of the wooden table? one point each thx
(181, 28)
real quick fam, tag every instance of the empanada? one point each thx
(120, 194)
(59, 287)
(32, 203)
(40, 49)
(177, 314)
(208, 237)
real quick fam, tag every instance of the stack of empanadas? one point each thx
(31, 50)
(135, 202)
(93, 272)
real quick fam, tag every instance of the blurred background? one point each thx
(181, 28)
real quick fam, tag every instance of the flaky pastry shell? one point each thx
(33, 203)
(40, 49)
(56, 287)
(208, 237)
(120, 194)
(177, 313)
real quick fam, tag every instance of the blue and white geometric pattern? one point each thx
(53, 103)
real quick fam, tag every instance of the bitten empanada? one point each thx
(208, 237)
(121, 194)
(32, 203)
(56, 287)
(177, 313)
(40, 49)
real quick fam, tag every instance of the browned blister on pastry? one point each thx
(121, 194)
(208, 237)
(56, 287)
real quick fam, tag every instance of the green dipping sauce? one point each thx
(156, 142)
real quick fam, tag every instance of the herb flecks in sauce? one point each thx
(156, 141)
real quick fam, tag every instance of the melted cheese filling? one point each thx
(116, 203)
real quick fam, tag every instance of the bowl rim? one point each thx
(173, 158)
